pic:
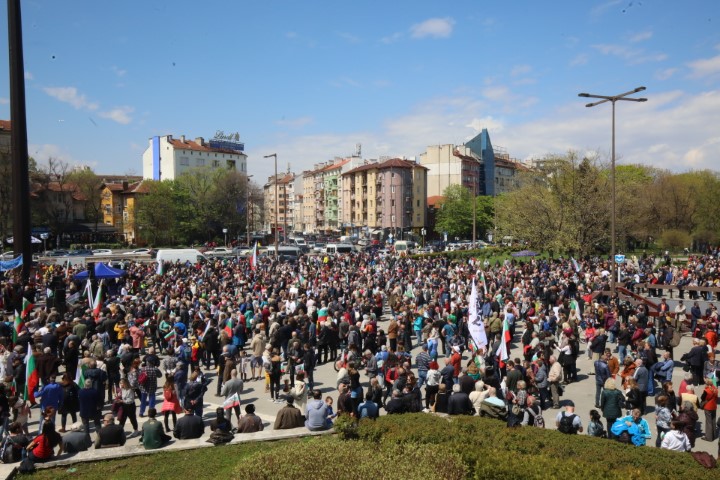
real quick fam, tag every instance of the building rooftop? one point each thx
(392, 163)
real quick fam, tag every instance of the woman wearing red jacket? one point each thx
(709, 405)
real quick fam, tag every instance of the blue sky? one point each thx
(310, 80)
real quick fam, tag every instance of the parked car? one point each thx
(57, 253)
(142, 251)
(9, 255)
(80, 252)
(219, 252)
(102, 251)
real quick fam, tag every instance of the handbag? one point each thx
(516, 410)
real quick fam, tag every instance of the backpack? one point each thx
(566, 424)
(538, 420)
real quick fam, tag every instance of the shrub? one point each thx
(490, 450)
(329, 459)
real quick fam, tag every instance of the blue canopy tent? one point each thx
(102, 271)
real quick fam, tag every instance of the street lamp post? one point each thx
(423, 232)
(612, 99)
(247, 208)
(44, 237)
(277, 207)
(225, 230)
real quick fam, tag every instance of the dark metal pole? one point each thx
(612, 99)
(20, 176)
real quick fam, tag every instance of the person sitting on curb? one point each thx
(317, 413)
(190, 426)
(250, 423)
(111, 434)
(288, 416)
(153, 436)
(77, 439)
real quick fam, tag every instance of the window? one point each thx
(392, 189)
(200, 162)
(216, 163)
(184, 161)
(418, 203)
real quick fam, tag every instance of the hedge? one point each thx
(491, 450)
(331, 459)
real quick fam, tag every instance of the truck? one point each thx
(338, 248)
(182, 255)
(402, 248)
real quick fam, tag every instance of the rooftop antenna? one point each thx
(358, 150)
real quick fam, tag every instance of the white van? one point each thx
(403, 248)
(338, 248)
(182, 255)
(297, 241)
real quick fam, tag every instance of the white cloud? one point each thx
(120, 115)
(633, 56)
(42, 152)
(433, 27)
(345, 82)
(705, 67)
(666, 73)
(294, 122)
(580, 59)
(291, 35)
(642, 132)
(4, 101)
(120, 72)
(349, 37)
(641, 36)
(392, 38)
(496, 92)
(29, 76)
(70, 95)
(518, 70)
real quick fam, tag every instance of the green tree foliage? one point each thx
(195, 207)
(455, 215)
(675, 240)
(156, 212)
(88, 185)
(563, 208)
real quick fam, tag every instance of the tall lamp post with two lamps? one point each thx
(612, 99)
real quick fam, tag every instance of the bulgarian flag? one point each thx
(228, 327)
(170, 336)
(26, 308)
(97, 303)
(80, 376)
(19, 324)
(232, 401)
(253, 257)
(503, 352)
(482, 280)
(31, 377)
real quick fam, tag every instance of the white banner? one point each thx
(475, 323)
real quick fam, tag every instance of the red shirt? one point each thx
(42, 450)
(455, 361)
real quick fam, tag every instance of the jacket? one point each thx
(602, 372)
(541, 380)
(612, 403)
(288, 417)
(316, 415)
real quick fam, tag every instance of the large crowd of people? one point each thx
(150, 346)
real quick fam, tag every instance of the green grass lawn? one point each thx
(203, 463)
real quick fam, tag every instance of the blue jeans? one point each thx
(598, 393)
(422, 377)
(622, 353)
(146, 399)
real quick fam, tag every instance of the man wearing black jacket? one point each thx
(188, 427)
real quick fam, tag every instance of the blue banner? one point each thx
(11, 264)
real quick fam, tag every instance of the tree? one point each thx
(88, 185)
(156, 212)
(54, 206)
(565, 207)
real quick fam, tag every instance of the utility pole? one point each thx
(18, 139)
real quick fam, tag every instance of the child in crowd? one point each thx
(243, 365)
(595, 427)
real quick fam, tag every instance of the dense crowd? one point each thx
(278, 322)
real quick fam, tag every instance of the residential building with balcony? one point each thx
(280, 218)
(388, 196)
(166, 158)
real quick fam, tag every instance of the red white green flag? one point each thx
(503, 351)
(253, 257)
(97, 304)
(26, 308)
(19, 324)
(31, 377)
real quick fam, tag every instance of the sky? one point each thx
(311, 80)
